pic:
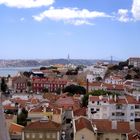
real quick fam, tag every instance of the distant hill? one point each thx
(47, 62)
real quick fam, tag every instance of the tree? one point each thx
(22, 117)
(45, 90)
(29, 85)
(3, 85)
(58, 91)
(128, 77)
(74, 89)
(98, 78)
(27, 74)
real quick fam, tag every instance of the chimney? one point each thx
(115, 98)
(114, 124)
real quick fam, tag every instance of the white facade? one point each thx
(95, 71)
(114, 80)
(108, 108)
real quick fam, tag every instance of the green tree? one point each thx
(22, 117)
(74, 89)
(98, 78)
(3, 85)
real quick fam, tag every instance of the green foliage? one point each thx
(128, 77)
(58, 91)
(74, 89)
(22, 117)
(72, 72)
(3, 85)
(43, 68)
(98, 78)
(45, 90)
(27, 74)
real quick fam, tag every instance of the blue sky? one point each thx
(88, 29)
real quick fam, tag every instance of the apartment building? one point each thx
(135, 61)
(121, 108)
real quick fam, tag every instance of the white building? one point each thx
(135, 61)
(95, 71)
(116, 80)
(121, 108)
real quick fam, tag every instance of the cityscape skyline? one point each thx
(52, 29)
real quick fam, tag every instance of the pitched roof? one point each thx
(131, 100)
(80, 112)
(43, 125)
(82, 123)
(15, 128)
(106, 126)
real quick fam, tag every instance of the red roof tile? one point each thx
(82, 123)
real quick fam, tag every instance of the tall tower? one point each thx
(68, 58)
(111, 60)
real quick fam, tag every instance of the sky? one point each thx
(84, 29)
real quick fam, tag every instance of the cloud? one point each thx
(123, 15)
(22, 19)
(136, 9)
(79, 22)
(70, 15)
(26, 3)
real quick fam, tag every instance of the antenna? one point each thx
(111, 59)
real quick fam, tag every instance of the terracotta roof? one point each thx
(82, 123)
(97, 98)
(65, 100)
(134, 136)
(131, 100)
(118, 101)
(80, 112)
(15, 128)
(104, 126)
(43, 125)
(113, 87)
(9, 107)
(137, 126)
(48, 109)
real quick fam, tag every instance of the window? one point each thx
(27, 136)
(132, 114)
(93, 102)
(123, 114)
(116, 139)
(113, 114)
(53, 135)
(104, 101)
(33, 136)
(132, 107)
(92, 111)
(48, 135)
(98, 102)
(97, 109)
(106, 138)
(40, 136)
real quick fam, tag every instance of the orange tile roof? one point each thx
(80, 112)
(43, 125)
(82, 123)
(104, 126)
(131, 100)
(15, 128)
